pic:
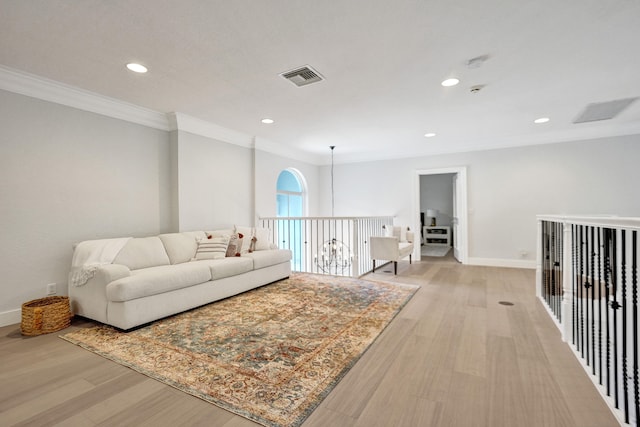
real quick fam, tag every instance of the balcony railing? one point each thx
(588, 278)
(337, 246)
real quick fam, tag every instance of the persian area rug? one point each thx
(439, 251)
(271, 354)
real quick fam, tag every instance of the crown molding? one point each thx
(582, 132)
(274, 148)
(184, 122)
(34, 86)
(49, 90)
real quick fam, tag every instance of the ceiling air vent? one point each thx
(603, 110)
(302, 76)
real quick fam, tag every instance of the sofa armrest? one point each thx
(90, 299)
(107, 273)
(384, 248)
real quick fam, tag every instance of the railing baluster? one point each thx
(634, 296)
(574, 281)
(545, 261)
(580, 291)
(607, 284)
(587, 286)
(615, 306)
(561, 276)
(593, 297)
(599, 231)
(560, 265)
(554, 266)
(623, 298)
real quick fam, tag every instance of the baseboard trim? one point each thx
(499, 262)
(10, 317)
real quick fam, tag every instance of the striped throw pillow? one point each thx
(212, 248)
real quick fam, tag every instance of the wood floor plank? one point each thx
(454, 356)
(23, 413)
(471, 357)
(67, 408)
(324, 416)
(129, 396)
(369, 371)
(506, 401)
(465, 403)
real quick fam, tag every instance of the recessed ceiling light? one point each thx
(450, 82)
(429, 135)
(267, 121)
(137, 68)
(541, 120)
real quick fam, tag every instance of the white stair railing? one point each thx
(337, 246)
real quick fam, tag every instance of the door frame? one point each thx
(461, 206)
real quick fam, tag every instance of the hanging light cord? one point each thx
(332, 195)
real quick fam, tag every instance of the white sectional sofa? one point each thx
(133, 281)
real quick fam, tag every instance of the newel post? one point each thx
(355, 257)
(567, 277)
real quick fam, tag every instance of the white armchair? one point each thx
(396, 245)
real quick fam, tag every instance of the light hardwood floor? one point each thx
(454, 356)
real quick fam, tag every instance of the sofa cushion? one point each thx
(389, 231)
(157, 280)
(405, 248)
(262, 259)
(142, 252)
(262, 238)
(181, 247)
(402, 233)
(227, 267)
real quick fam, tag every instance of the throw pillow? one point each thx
(212, 248)
(235, 245)
(403, 234)
(252, 244)
(262, 238)
(247, 235)
(388, 231)
(220, 233)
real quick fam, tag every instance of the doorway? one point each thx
(458, 217)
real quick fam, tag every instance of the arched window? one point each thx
(290, 199)
(290, 193)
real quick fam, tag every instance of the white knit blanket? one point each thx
(91, 254)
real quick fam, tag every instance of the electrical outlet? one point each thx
(523, 253)
(51, 289)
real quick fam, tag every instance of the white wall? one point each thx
(366, 189)
(507, 188)
(65, 176)
(267, 168)
(436, 192)
(215, 183)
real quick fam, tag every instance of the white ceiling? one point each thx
(383, 62)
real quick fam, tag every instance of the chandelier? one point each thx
(334, 256)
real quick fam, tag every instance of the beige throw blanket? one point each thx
(91, 254)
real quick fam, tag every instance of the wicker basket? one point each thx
(45, 315)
